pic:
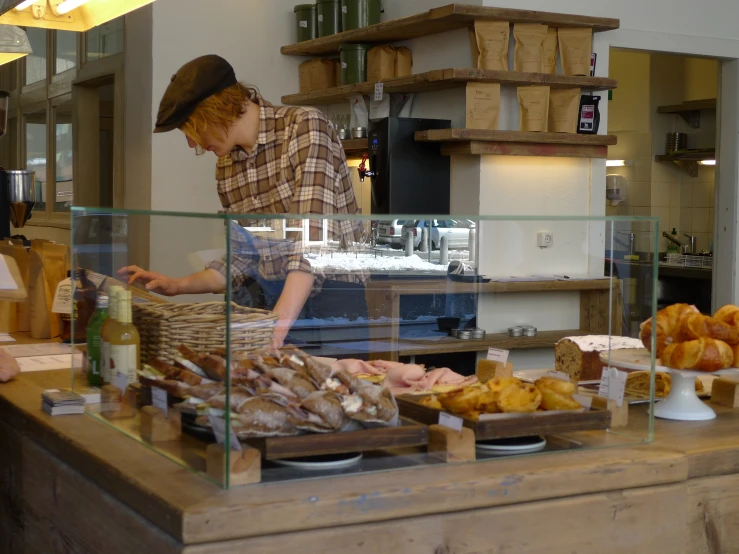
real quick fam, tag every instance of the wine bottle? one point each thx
(125, 346)
(94, 341)
(111, 322)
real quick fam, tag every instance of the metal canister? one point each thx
(454, 333)
(530, 331)
(478, 334)
(464, 334)
(676, 141)
(515, 331)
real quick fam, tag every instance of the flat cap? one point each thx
(194, 82)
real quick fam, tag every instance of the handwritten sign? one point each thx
(613, 385)
(498, 355)
(63, 298)
(159, 400)
(120, 381)
(450, 421)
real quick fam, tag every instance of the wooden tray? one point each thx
(408, 434)
(514, 425)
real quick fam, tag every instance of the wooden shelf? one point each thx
(442, 79)
(355, 147)
(690, 111)
(517, 143)
(440, 20)
(687, 160)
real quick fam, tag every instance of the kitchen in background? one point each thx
(660, 94)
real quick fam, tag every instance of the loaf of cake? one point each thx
(579, 357)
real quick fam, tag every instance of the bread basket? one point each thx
(202, 327)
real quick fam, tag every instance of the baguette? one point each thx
(176, 373)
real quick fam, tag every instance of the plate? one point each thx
(637, 360)
(518, 445)
(315, 463)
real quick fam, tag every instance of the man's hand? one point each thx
(154, 282)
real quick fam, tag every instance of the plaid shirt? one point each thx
(298, 166)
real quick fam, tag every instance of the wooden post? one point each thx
(450, 445)
(244, 467)
(157, 428)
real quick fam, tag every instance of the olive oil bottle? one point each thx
(125, 346)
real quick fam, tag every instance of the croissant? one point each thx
(703, 354)
(728, 314)
(695, 326)
(668, 323)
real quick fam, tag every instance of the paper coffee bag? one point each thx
(491, 44)
(575, 47)
(529, 52)
(483, 106)
(534, 107)
(551, 48)
(381, 61)
(564, 107)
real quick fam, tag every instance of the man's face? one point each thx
(218, 143)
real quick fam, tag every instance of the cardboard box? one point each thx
(404, 62)
(381, 63)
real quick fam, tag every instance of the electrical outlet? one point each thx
(545, 240)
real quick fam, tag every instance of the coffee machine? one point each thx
(17, 186)
(408, 177)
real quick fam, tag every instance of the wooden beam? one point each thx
(474, 148)
(464, 135)
(440, 20)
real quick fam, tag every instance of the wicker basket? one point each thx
(202, 327)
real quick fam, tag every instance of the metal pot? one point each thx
(359, 132)
(21, 186)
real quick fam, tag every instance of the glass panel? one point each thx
(64, 159)
(66, 50)
(105, 40)
(11, 137)
(36, 148)
(36, 62)
(374, 314)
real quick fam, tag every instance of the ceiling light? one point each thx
(618, 163)
(69, 5)
(25, 4)
(14, 44)
(66, 15)
(707, 162)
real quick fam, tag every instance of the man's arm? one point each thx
(298, 286)
(203, 282)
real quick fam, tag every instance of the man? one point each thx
(271, 160)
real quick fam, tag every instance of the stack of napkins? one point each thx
(62, 402)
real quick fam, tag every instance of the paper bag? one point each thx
(381, 63)
(483, 106)
(40, 300)
(21, 258)
(322, 74)
(403, 62)
(304, 76)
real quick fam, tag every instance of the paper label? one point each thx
(450, 421)
(219, 430)
(498, 355)
(120, 381)
(593, 60)
(559, 375)
(379, 91)
(613, 385)
(63, 298)
(344, 65)
(304, 24)
(584, 400)
(159, 400)
(344, 9)
(123, 359)
(587, 118)
(320, 19)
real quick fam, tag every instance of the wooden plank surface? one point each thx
(354, 147)
(440, 20)
(476, 148)
(479, 135)
(410, 434)
(642, 521)
(411, 287)
(693, 105)
(713, 515)
(443, 79)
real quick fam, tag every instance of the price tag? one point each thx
(344, 9)
(613, 385)
(450, 421)
(379, 91)
(219, 430)
(63, 298)
(304, 24)
(559, 375)
(498, 355)
(159, 400)
(120, 381)
(584, 400)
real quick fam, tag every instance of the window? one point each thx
(66, 51)
(105, 40)
(36, 155)
(64, 158)
(36, 62)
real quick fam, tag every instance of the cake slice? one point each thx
(579, 357)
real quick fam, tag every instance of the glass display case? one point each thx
(250, 348)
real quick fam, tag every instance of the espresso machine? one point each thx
(17, 186)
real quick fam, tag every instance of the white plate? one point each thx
(343, 461)
(520, 445)
(638, 360)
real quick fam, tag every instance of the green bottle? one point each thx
(95, 343)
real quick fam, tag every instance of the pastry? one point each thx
(703, 354)
(431, 401)
(667, 326)
(522, 398)
(487, 402)
(499, 384)
(461, 401)
(728, 314)
(579, 357)
(552, 400)
(695, 326)
(288, 378)
(260, 417)
(565, 388)
(320, 412)
(638, 383)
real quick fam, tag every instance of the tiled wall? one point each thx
(697, 206)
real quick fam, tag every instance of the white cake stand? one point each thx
(683, 404)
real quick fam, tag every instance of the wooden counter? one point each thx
(73, 484)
